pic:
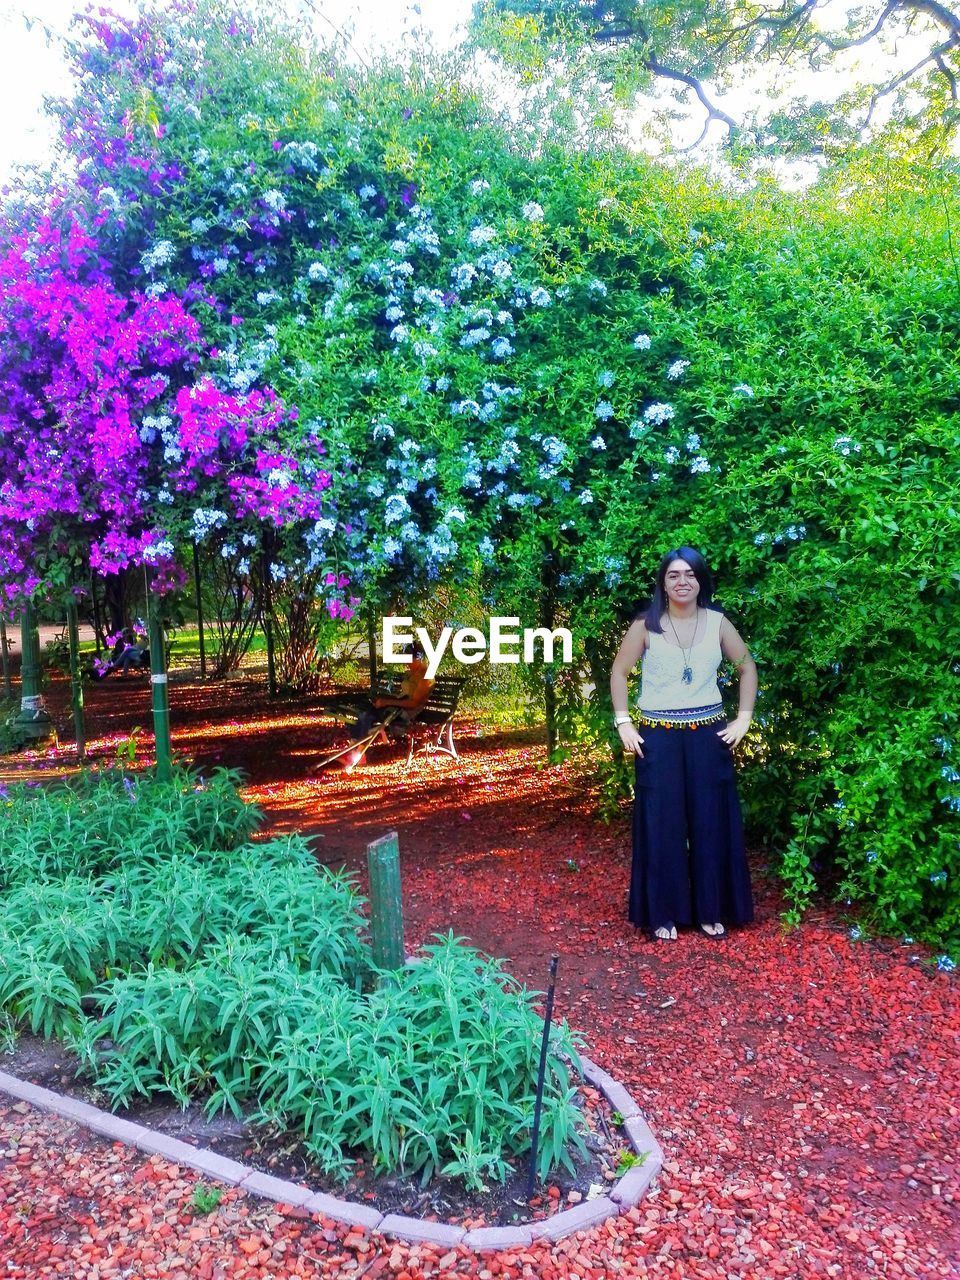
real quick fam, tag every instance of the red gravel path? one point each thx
(805, 1087)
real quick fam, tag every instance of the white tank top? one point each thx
(662, 687)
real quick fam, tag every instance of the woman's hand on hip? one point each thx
(734, 732)
(630, 737)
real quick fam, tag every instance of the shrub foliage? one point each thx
(139, 924)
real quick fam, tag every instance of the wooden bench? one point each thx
(432, 724)
(434, 721)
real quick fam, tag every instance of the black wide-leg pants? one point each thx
(689, 862)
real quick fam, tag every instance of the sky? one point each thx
(31, 66)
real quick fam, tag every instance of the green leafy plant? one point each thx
(442, 1079)
(205, 1199)
(12, 736)
(94, 822)
(175, 960)
(125, 752)
(8, 1034)
(629, 1160)
(536, 378)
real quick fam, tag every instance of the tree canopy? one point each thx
(703, 48)
(526, 373)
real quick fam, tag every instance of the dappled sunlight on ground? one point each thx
(804, 1085)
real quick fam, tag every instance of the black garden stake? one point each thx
(538, 1106)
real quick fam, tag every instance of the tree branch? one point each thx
(609, 34)
(835, 46)
(653, 64)
(799, 17)
(939, 12)
(782, 32)
(935, 56)
(950, 77)
(943, 16)
(659, 68)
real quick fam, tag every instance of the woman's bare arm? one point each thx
(628, 655)
(734, 650)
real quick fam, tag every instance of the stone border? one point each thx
(624, 1194)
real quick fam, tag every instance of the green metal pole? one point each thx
(196, 588)
(158, 687)
(76, 687)
(386, 906)
(5, 656)
(33, 720)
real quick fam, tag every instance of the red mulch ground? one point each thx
(805, 1087)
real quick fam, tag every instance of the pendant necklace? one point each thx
(687, 676)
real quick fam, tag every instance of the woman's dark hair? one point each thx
(658, 605)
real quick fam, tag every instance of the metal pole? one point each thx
(538, 1105)
(33, 720)
(386, 906)
(158, 686)
(196, 587)
(5, 655)
(76, 686)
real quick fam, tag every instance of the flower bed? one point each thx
(177, 959)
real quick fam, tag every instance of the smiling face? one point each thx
(680, 583)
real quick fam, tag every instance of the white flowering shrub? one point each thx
(536, 374)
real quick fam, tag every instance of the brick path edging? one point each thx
(624, 1194)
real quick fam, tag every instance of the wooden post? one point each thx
(386, 905)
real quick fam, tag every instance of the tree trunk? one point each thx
(372, 648)
(76, 686)
(196, 588)
(33, 721)
(5, 656)
(548, 616)
(115, 600)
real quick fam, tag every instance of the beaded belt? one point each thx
(684, 718)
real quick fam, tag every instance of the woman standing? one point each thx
(689, 863)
